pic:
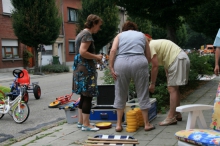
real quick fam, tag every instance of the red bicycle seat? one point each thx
(25, 80)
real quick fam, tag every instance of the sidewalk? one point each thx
(68, 134)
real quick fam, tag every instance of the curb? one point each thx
(25, 136)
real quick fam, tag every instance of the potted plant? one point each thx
(26, 56)
(8, 56)
(16, 56)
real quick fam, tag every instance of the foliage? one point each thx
(4, 90)
(55, 68)
(205, 18)
(167, 14)
(143, 24)
(199, 65)
(107, 78)
(195, 39)
(36, 22)
(26, 56)
(108, 11)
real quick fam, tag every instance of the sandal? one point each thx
(151, 128)
(179, 117)
(168, 121)
(119, 129)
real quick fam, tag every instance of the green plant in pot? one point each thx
(26, 56)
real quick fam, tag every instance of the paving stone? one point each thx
(163, 141)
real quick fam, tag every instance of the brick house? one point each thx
(11, 54)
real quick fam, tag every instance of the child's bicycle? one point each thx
(16, 108)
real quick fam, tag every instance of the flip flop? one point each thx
(151, 128)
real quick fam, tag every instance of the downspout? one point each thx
(64, 48)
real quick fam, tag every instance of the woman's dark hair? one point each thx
(129, 26)
(91, 20)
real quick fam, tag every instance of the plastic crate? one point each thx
(71, 116)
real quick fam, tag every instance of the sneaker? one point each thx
(79, 125)
(84, 128)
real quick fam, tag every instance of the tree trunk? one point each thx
(171, 33)
(36, 68)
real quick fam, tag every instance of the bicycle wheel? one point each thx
(20, 117)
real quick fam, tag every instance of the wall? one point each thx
(6, 32)
(69, 27)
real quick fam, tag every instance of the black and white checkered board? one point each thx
(114, 137)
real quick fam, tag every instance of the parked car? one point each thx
(209, 49)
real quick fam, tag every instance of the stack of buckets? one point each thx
(134, 120)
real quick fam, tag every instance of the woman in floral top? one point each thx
(84, 71)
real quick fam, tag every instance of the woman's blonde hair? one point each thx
(91, 20)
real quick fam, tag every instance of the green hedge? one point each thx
(55, 68)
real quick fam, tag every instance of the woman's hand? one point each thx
(99, 58)
(113, 73)
(151, 88)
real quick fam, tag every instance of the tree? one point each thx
(145, 26)
(205, 18)
(196, 39)
(36, 22)
(108, 11)
(164, 14)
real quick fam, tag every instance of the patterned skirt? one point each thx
(84, 77)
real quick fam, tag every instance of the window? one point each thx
(73, 15)
(7, 7)
(72, 48)
(48, 50)
(9, 49)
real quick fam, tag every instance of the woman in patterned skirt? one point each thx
(84, 71)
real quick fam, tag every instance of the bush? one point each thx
(4, 90)
(55, 68)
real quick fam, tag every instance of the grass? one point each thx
(4, 90)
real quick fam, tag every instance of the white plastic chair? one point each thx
(203, 135)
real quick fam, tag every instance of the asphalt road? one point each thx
(52, 86)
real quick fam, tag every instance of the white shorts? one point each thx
(178, 71)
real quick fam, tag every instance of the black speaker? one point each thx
(106, 95)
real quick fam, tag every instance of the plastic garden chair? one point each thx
(203, 135)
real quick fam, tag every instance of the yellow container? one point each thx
(132, 121)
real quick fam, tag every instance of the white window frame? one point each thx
(7, 7)
(10, 49)
(74, 48)
(72, 15)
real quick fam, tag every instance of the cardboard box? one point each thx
(71, 116)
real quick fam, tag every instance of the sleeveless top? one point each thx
(131, 43)
(84, 70)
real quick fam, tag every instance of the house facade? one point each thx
(11, 48)
(64, 46)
